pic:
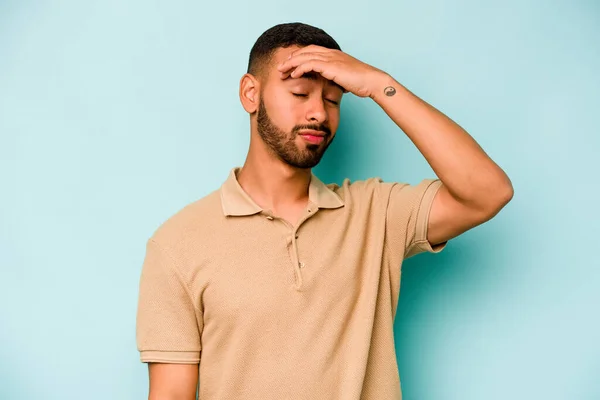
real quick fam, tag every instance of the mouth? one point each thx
(312, 136)
(312, 132)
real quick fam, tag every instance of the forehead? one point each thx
(282, 53)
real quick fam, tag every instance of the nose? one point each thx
(316, 112)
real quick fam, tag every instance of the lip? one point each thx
(311, 132)
(314, 137)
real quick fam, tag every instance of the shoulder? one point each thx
(191, 224)
(377, 190)
(363, 190)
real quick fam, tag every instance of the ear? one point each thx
(249, 93)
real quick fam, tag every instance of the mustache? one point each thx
(316, 127)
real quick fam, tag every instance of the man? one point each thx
(278, 286)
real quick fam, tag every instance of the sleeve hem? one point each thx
(423, 219)
(171, 357)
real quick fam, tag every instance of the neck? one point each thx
(273, 184)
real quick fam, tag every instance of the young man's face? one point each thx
(290, 108)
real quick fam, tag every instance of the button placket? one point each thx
(297, 264)
(293, 251)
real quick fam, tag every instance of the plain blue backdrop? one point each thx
(115, 114)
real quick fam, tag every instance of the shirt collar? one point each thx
(235, 201)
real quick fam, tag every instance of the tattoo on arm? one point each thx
(389, 91)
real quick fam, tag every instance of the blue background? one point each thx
(114, 115)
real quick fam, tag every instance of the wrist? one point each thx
(383, 86)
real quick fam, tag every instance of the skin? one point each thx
(276, 173)
(275, 179)
(172, 381)
(286, 145)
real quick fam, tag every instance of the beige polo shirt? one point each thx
(274, 311)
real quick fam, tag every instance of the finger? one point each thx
(285, 75)
(313, 48)
(297, 60)
(316, 66)
(293, 62)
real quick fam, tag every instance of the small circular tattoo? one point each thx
(389, 91)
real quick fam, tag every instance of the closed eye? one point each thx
(305, 95)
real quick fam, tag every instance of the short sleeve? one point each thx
(407, 217)
(168, 324)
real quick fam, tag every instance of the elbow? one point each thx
(506, 193)
(501, 197)
(501, 191)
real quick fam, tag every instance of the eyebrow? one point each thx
(314, 76)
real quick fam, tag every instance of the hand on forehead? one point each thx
(285, 53)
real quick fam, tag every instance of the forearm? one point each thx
(456, 158)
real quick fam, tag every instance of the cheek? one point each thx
(334, 119)
(284, 112)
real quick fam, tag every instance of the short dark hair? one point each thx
(286, 35)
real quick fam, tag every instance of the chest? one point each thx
(277, 270)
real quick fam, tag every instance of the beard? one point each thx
(283, 144)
